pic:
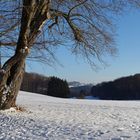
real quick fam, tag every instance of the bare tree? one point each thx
(35, 27)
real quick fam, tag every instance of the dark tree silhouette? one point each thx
(36, 83)
(57, 88)
(126, 88)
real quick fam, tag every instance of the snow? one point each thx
(49, 118)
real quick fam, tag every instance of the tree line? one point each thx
(126, 88)
(51, 86)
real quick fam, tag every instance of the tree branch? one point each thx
(8, 44)
(9, 29)
(76, 7)
(76, 31)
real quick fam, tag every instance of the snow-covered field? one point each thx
(48, 118)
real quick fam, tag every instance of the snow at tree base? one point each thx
(49, 118)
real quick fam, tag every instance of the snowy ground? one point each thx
(48, 118)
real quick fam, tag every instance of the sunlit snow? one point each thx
(49, 118)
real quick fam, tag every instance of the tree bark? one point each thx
(11, 77)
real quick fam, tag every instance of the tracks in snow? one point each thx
(54, 120)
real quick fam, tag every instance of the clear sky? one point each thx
(127, 61)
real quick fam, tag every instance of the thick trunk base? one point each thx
(10, 83)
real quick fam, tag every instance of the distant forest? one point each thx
(126, 88)
(52, 86)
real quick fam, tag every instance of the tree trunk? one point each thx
(34, 15)
(11, 77)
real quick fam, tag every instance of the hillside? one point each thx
(76, 91)
(60, 119)
(125, 88)
(52, 86)
(33, 82)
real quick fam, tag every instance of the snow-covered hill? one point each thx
(49, 118)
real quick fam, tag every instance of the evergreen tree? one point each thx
(58, 87)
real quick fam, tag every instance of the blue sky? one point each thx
(127, 61)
